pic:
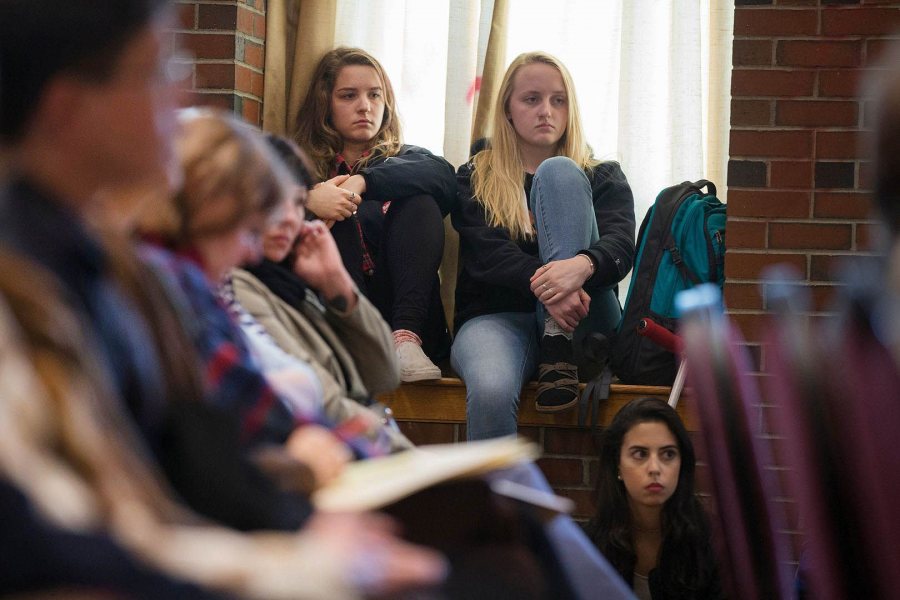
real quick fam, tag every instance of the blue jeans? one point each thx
(497, 354)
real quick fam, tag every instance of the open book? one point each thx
(374, 483)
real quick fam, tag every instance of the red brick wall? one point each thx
(227, 39)
(798, 191)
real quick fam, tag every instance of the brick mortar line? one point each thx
(234, 32)
(819, 221)
(854, 99)
(829, 99)
(756, 7)
(809, 37)
(212, 61)
(204, 31)
(259, 71)
(762, 312)
(220, 3)
(760, 282)
(819, 22)
(800, 128)
(212, 90)
(806, 191)
(231, 91)
(777, 68)
(251, 38)
(745, 188)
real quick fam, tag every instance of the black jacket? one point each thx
(410, 175)
(414, 171)
(495, 270)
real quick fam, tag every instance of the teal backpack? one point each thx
(681, 243)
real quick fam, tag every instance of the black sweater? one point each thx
(495, 270)
(414, 171)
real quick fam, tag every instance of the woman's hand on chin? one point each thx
(319, 263)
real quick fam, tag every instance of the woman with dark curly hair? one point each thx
(649, 523)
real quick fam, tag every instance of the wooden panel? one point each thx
(444, 401)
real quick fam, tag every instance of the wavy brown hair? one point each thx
(316, 133)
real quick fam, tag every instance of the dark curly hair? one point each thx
(687, 567)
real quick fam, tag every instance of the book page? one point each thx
(373, 483)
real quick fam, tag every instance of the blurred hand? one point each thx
(559, 278)
(320, 450)
(330, 202)
(569, 309)
(355, 184)
(296, 388)
(319, 263)
(376, 560)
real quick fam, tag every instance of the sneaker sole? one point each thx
(555, 408)
(421, 376)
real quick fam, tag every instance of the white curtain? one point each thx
(642, 70)
(431, 51)
(652, 76)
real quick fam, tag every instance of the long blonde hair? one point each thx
(498, 170)
(316, 133)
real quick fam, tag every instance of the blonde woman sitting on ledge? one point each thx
(546, 232)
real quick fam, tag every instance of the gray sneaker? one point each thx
(414, 364)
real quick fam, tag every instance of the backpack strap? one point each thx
(679, 262)
(596, 390)
(673, 249)
(705, 183)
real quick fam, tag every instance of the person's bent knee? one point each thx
(421, 210)
(559, 167)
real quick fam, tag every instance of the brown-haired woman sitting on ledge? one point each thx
(384, 201)
(649, 523)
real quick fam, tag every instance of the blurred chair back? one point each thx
(838, 389)
(727, 401)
